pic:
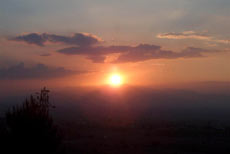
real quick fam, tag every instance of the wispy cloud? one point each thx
(192, 35)
(184, 35)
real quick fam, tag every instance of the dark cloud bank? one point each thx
(80, 39)
(89, 46)
(138, 53)
(36, 72)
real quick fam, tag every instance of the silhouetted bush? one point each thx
(30, 128)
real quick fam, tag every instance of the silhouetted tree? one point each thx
(30, 128)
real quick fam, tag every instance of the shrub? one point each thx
(30, 128)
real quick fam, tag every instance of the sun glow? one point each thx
(115, 80)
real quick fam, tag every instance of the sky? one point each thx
(148, 42)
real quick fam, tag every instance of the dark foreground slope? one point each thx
(142, 120)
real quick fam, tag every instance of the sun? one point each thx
(115, 80)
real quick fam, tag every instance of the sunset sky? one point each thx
(147, 42)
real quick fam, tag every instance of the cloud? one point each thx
(142, 55)
(138, 53)
(32, 38)
(103, 50)
(79, 39)
(185, 35)
(194, 52)
(192, 35)
(144, 52)
(36, 72)
(97, 58)
(87, 45)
